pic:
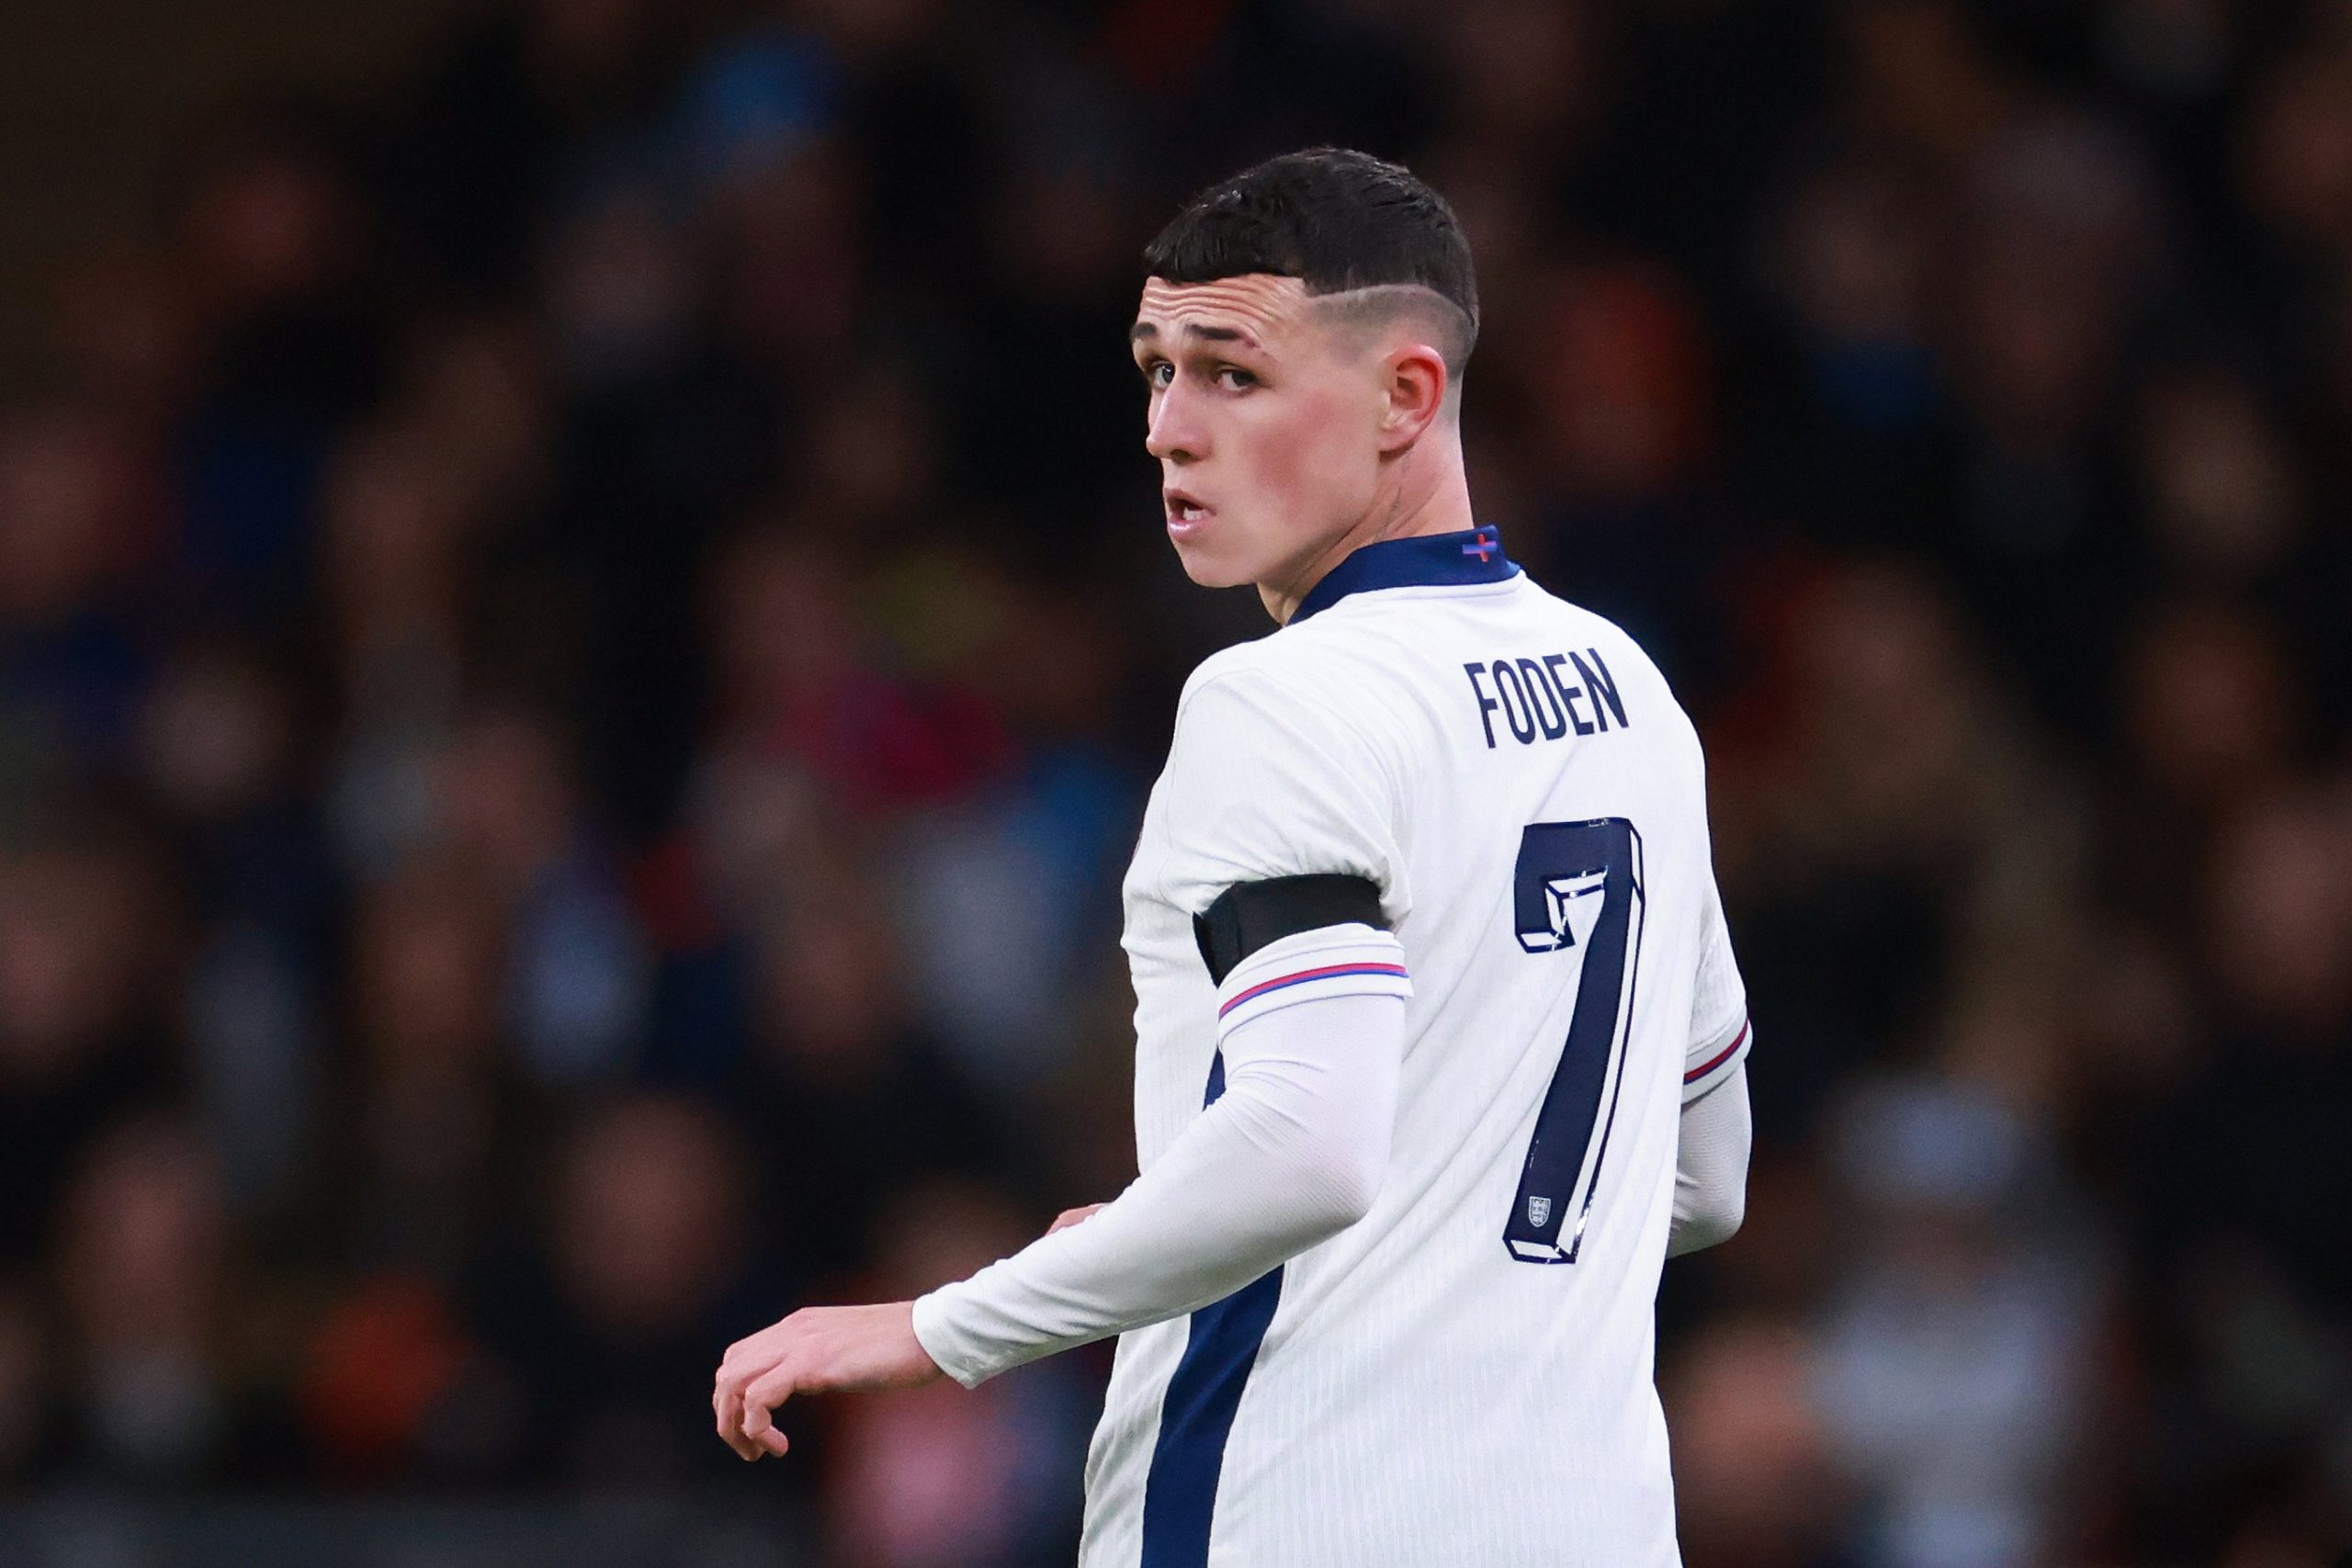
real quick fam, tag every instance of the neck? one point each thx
(1427, 492)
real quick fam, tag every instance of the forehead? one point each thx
(1261, 305)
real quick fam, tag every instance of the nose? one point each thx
(1173, 432)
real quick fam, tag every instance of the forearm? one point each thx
(1290, 1155)
(1711, 1167)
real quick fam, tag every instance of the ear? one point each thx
(1414, 382)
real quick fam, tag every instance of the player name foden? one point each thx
(1539, 702)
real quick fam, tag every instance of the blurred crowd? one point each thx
(581, 645)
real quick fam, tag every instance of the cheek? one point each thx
(1301, 454)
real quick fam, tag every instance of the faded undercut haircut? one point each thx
(1347, 225)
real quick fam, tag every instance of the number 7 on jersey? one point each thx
(1577, 886)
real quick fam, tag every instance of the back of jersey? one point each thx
(1465, 1375)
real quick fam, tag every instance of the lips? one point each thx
(1185, 508)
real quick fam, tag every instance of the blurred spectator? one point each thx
(220, 741)
(73, 652)
(143, 1265)
(849, 1097)
(1952, 1364)
(1861, 440)
(2227, 505)
(1754, 1481)
(79, 937)
(1908, 836)
(428, 1151)
(274, 241)
(577, 964)
(634, 1295)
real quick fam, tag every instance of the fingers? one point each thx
(759, 1400)
(727, 1405)
(745, 1360)
(816, 1350)
(1069, 1217)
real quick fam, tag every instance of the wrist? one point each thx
(931, 1318)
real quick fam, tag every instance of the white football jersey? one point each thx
(1464, 1378)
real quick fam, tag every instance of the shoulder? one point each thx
(1291, 656)
(1283, 697)
(1292, 674)
(1244, 666)
(1267, 778)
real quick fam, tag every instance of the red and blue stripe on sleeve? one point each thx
(1336, 961)
(1716, 1064)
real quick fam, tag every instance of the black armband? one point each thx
(1251, 915)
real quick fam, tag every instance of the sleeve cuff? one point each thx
(1335, 960)
(935, 1331)
(1710, 1064)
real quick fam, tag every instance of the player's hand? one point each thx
(1069, 1217)
(835, 1350)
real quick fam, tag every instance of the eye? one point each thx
(1235, 378)
(1158, 373)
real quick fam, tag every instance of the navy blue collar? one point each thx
(1438, 560)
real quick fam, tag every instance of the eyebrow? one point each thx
(1143, 329)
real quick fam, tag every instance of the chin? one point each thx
(1212, 569)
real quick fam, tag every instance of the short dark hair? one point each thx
(1334, 218)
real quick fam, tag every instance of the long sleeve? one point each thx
(1292, 1152)
(1711, 1167)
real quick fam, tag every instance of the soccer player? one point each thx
(1440, 1044)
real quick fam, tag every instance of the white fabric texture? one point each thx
(1266, 780)
(1719, 1030)
(1292, 1153)
(1711, 1167)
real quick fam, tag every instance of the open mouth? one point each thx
(1182, 508)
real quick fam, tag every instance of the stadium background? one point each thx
(583, 629)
